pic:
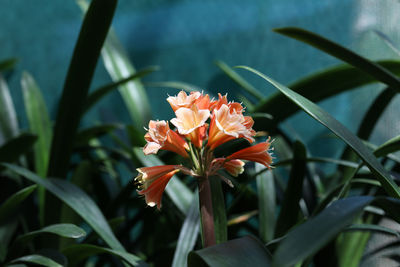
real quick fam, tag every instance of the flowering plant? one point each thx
(202, 124)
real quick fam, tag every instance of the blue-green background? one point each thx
(185, 37)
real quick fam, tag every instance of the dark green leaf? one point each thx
(8, 64)
(342, 132)
(83, 63)
(319, 86)
(307, 238)
(188, 234)
(245, 251)
(372, 228)
(84, 136)
(239, 79)
(12, 204)
(99, 93)
(37, 259)
(8, 116)
(388, 147)
(290, 208)
(266, 203)
(66, 230)
(16, 147)
(39, 122)
(77, 253)
(77, 199)
(342, 53)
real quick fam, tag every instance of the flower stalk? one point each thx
(206, 212)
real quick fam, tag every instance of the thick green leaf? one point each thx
(290, 208)
(8, 64)
(37, 259)
(133, 93)
(66, 230)
(77, 199)
(12, 204)
(6, 233)
(15, 147)
(319, 86)
(368, 123)
(8, 116)
(388, 147)
(342, 132)
(307, 238)
(245, 251)
(179, 193)
(83, 63)
(84, 136)
(219, 210)
(239, 79)
(188, 235)
(373, 228)
(39, 122)
(99, 93)
(344, 54)
(78, 253)
(266, 203)
(174, 84)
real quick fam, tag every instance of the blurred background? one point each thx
(185, 38)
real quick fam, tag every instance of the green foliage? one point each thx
(301, 212)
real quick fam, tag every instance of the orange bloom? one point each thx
(223, 100)
(190, 122)
(234, 167)
(182, 100)
(160, 136)
(257, 153)
(226, 125)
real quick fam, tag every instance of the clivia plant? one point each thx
(196, 140)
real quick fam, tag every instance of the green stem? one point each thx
(206, 211)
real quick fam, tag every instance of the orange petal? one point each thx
(187, 120)
(257, 153)
(154, 192)
(234, 167)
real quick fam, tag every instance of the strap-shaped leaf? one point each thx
(245, 251)
(101, 92)
(39, 121)
(8, 116)
(289, 213)
(188, 235)
(12, 204)
(37, 259)
(77, 199)
(319, 86)
(266, 202)
(342, 132)
(93, 32)
(78, 253)
(342, 53)
(16, 147)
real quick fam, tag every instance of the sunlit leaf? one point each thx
(342, 132)
(8, 116)
(342, 53)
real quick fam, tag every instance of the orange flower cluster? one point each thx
(196, 140)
